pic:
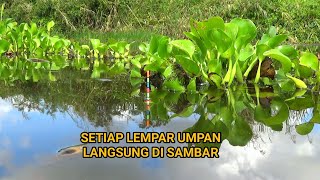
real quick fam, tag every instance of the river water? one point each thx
(37, 120)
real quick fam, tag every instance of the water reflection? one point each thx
(259, 127)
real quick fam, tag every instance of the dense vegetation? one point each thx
(233, 57)
(217, 52)
(299, 19)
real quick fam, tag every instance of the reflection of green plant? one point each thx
(92, 101)
(223, 111)
(307, 102)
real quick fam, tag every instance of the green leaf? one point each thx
(309, 60)
(136, 81)
(305, 128)
(225, 115)
(277, 127)
(117, 68)
(153, 46)
(263, 115)
(246, 28)
(305, 72)
(246, 52)
(155, 64)
(186, 112)
(272, 31)
(316, 117)
(215, 22)
(239, 75)
(52, 77)
(221, 40)
(240, 133)
(4, 46)
(168, 71)
(299, 83)
(216, 79)
(37, 42)
(136, 63)
(135, 73)
(261, 48)
(135, 92)
(298, 104)
(299, 93)
(215, 66)
(163, 49)
(184, 45)
(158, 95)
(143, 47)
(198, 42)
(283, 59)
(95, 73)
(122, 46)
(231, 30)
(54, 67)
(276, 40)
(33, 28)
(192, 85)
(162, 112)
(95, 43)
(288, 50)
(86, 47)
(58, 45)
(193, 98)
(205, 125)
(172, 98)
(174, 85)
(50, 25)
(284, 83)
(188, 64)
(35, 75)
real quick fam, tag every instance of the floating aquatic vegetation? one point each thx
(217, 52)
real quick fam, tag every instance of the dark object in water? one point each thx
(267, 70)
(71, 150)
(68, 151)
(104, 80)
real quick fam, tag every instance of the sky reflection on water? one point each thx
(28, 151)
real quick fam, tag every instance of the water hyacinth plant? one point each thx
(222, 53)
(215, 52)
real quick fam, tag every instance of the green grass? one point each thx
(134, 19)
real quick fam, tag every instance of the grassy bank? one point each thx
(299, 19)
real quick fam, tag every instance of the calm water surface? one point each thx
(38, 120)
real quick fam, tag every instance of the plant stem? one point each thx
(258, 72)
(250, 67)
(257, 89)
